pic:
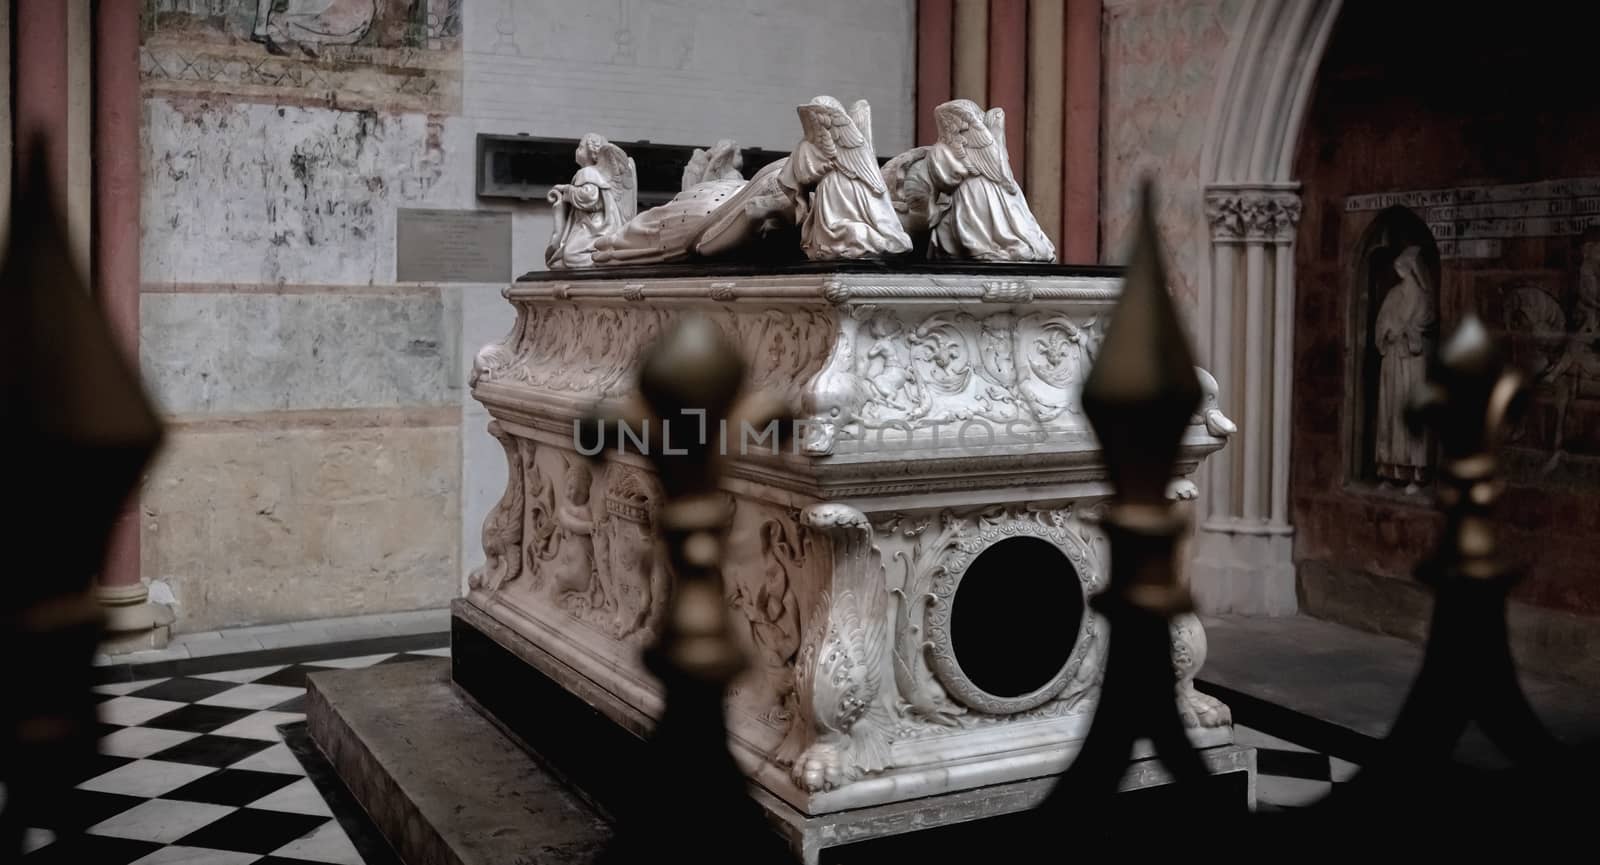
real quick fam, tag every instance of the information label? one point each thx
(453, 246)
(1473, 221)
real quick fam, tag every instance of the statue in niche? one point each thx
(1403, 334)
(985, 216)
(572, 571)
(635, 587)
(600, 200)
(841, 202)
(773, 613)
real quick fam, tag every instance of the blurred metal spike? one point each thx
(1468, 673)
(1143, 389)
(1140, 397)
(694, 803)
(80, 432)
(1469, 396)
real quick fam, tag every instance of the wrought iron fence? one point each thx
(80, 432)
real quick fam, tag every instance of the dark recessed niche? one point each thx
(1015, 616)
(525, 166)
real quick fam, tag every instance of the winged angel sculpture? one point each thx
(986, 217)
(600, 200)
(830, 187)
(841, 202)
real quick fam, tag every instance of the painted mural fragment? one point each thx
(401, 55)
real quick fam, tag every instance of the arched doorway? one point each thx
(1244, 549)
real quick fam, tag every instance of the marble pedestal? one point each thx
(909, 574)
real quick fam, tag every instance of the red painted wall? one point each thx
(1412, 99)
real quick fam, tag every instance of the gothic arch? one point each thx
(1244, 554)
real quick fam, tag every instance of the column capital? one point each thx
(1264, 213)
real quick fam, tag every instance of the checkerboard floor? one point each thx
(1291, 775)
(211, 766)
(196, 769)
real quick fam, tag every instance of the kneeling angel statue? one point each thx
(599, 201)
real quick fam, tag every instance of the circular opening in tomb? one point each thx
(1014, 617)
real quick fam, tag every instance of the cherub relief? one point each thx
(572, 571)
(771, 610)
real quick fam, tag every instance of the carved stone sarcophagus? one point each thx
(909, 571)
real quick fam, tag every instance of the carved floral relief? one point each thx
(914, 370)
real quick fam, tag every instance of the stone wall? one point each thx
(1161, 62)
(326, 458)
(1410, 101)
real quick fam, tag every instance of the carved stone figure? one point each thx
(722, 162)
(572, 569)
(985, 216)
(600, 200)
(771, 610)
(1188, 656)
(502, 529)
(760, 206)
(841, 202)
(1405, 326)
(711, 181)
(911, 191)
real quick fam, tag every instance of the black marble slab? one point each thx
(770, 266)
(441, 783)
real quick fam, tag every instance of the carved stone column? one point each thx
(1244, 552)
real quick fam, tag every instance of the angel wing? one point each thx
(695, 171)
(837, 136)
(618, 167)
(969, 134)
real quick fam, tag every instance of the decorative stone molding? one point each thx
(1246, 297)
(1266, 215)
(845, 556)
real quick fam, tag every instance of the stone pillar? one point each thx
(134, 623)
(1244, 552)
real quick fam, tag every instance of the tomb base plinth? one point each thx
(519, 765)
(908, 573)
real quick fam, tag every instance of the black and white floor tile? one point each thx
(1291, 775)
(211, 768)
(200, 764)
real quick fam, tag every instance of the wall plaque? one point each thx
(1472, 221)
(452, 246)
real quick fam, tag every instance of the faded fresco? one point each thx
(1161, 65)
(400, 55)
